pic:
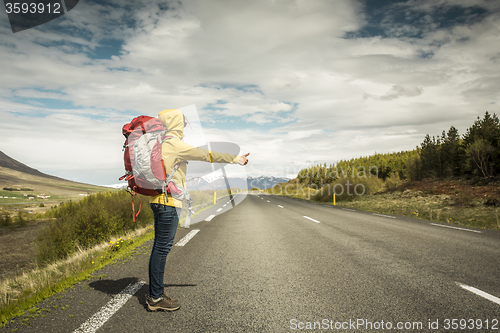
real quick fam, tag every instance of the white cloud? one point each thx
(65, 144)
(281, 65)
(396, 92)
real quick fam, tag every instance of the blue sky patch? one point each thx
(241, 87)
(222, 121)
(49, 103)
(426, 54)
(217, 106)
(107, 48)
(65, 45)
(397, 19)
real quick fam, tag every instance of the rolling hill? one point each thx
(22, 179)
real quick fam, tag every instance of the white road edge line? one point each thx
(186, 238)
(349, 210)
(280, 206)
(219, 209)
(391, 217)
(447, 226)
(99, 318)
(480, 293)
(208, 219)
(307, 217)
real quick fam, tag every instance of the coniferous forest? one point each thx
(475, 156)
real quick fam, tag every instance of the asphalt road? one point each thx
(276, 264)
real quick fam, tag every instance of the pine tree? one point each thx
(482, 144)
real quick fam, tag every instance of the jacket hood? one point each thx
(173, 120)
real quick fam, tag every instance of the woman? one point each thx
(166, 216)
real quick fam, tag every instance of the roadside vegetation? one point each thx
(19, 294)
(450, 178)
(86, 223)
(19, 219)
(78, 238)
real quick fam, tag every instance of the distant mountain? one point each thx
(10, 163)
(15, 174)
(218, 182)
(264, 182)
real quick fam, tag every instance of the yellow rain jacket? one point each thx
(175, 151)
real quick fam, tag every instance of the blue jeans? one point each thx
(166, 221)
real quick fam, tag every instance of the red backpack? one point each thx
(142, 152)
(143, 161)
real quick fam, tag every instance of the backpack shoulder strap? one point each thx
(166, 137)
(176, 166)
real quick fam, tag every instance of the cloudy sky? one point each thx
(293, 82)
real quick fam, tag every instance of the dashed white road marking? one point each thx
(224, 205)
(449, 226)
(98, 319)
(208, 219)
(187, 238)
(307, 217)
(268, 201)
(391, 217)
(349, 210)
(219, 209)
(280, 206)
(480, 293)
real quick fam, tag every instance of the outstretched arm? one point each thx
(186, 152)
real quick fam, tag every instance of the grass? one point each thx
(86, 223)
(19, 294)
(440, 208)
(23, 292)
(58, 189)
(450, 201)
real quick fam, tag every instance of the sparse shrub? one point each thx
(278, 189)
(372, 184)
(345, 189)
(41, 205)
(55, 242)
(494, 202)
(88, 222)
(348, 189)
(5, 219)
(463, 199)
(20, 218)
(392, 181)
(98, 217)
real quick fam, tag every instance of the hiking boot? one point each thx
(164, 303)
(172, 299)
